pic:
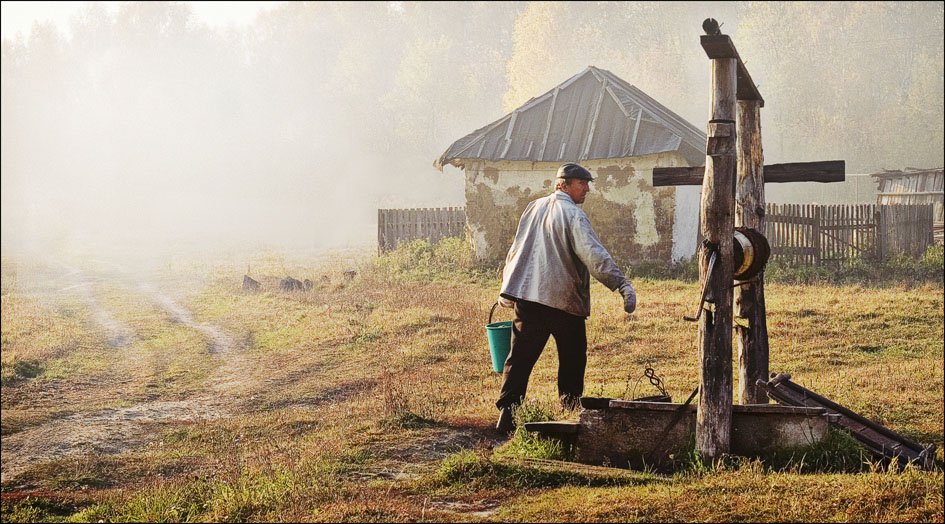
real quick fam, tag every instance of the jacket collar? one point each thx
(561, 195)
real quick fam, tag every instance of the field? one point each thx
(175, 395)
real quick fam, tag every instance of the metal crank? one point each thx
(708, 276)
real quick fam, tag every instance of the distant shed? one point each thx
(617, 131)
(914, 186)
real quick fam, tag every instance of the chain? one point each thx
(651, 375)
(655, 380)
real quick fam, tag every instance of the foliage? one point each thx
(524, 443)
(18, 370)
(468, 470)
(686, 270)
(838, 452)
(897, 269)
(36, 509)
(809, 106)
(371, 398)
(448, 260)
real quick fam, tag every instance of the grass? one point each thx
(372, 398)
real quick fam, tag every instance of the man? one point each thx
(547, 280)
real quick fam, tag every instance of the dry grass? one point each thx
(339, 403)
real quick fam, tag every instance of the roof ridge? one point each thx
(576, 102)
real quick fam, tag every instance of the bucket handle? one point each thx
(491, 311)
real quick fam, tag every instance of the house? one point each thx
(914, 186)
(614, 129)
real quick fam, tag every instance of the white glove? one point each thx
(504, 302)
(629, 297)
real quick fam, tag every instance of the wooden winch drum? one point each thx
(751, 252)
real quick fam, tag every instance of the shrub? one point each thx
(838, 452)
(686, 270)
(450, 259)
(470, 471)
(525, 444)
(896, 269)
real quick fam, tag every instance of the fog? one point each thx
(142, 130)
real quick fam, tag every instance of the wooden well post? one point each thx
(714, 415)
(732, 182)
(751, 327)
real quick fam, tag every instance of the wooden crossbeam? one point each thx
(825, 171)
(721, 46)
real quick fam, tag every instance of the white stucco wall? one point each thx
(496, 193)
(686, 221)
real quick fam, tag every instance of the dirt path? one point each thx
(111, 431)
(220, 341)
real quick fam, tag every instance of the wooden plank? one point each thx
(881, 441)
(815, 236)
(722, 47)
(823, 171)
(714, 415)
(678, 176)
(380, 231)
(830, 215)
(749, 212)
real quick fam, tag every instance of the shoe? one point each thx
(506, 423)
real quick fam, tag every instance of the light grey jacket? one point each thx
(554, 251)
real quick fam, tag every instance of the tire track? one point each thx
(220, 341)
(115, 430)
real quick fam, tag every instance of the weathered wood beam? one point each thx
(721, 46)
(824, 171)
(714, 415)
(751, 327)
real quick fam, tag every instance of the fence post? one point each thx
(380, 231)
(815, 234)
(880, 232)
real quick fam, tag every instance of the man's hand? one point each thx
(504, 302)
(629, 297)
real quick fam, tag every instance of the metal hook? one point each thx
(705, 287)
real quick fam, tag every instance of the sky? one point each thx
(18, 17)
(163, 126)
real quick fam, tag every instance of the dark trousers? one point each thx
(533, 324)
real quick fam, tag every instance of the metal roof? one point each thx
(592, 115)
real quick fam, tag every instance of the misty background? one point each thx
(142, 129)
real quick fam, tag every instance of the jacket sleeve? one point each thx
(592, 253)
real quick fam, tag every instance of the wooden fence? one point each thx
(395, 226)
(815, 234)
(906, 229)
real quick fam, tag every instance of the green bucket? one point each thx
(500, 340)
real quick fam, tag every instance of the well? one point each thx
(635, 434)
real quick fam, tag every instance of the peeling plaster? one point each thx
(634, 220)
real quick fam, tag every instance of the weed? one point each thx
(36, 509)
(384, 372)
(470, 470)
(686, 270)
(409, 421)
(19, 370)
(448, 260)
(525, 444)
(897, 269)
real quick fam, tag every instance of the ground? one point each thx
(175, 395)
